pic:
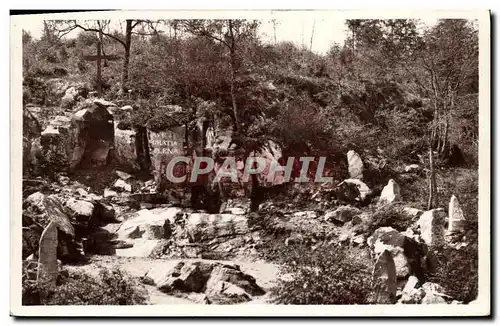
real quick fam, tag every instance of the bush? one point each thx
(324, 276)
(389, 215)
(110, 288)
(458, 272)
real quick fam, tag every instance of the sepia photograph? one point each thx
(250, 163)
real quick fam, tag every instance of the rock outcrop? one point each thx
(219, 283)
(406, 252)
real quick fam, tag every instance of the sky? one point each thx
(296, 28)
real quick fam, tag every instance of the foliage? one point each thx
(389, 215)
(109, 288)
(373, 94)
(326, 275)
(458, 272)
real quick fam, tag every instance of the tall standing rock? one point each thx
(355, 165)
(47, 258)
(384, 279)
(390, 193)
(163, 147)
(456, 217)
(431, 224)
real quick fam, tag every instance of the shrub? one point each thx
(389, 215)
(324, 276)
(458, 272)
(109, 288)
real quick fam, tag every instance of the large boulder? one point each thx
(81, 212)
(98, 132)
(42, 210)
(85, 136)
(130, 143)
(63, 143)
(220, 283)
(228, 284)
(431, 224)
(355, 165)
(406, 252)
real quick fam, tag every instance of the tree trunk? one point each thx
(126, 60)
(232, 54)
(444, 142)
(433, 200)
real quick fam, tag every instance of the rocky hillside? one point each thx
(395, 223)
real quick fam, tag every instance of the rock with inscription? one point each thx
(384, 279)
(355, 165)
(47, 259)
(163, 147)
(431, 224)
